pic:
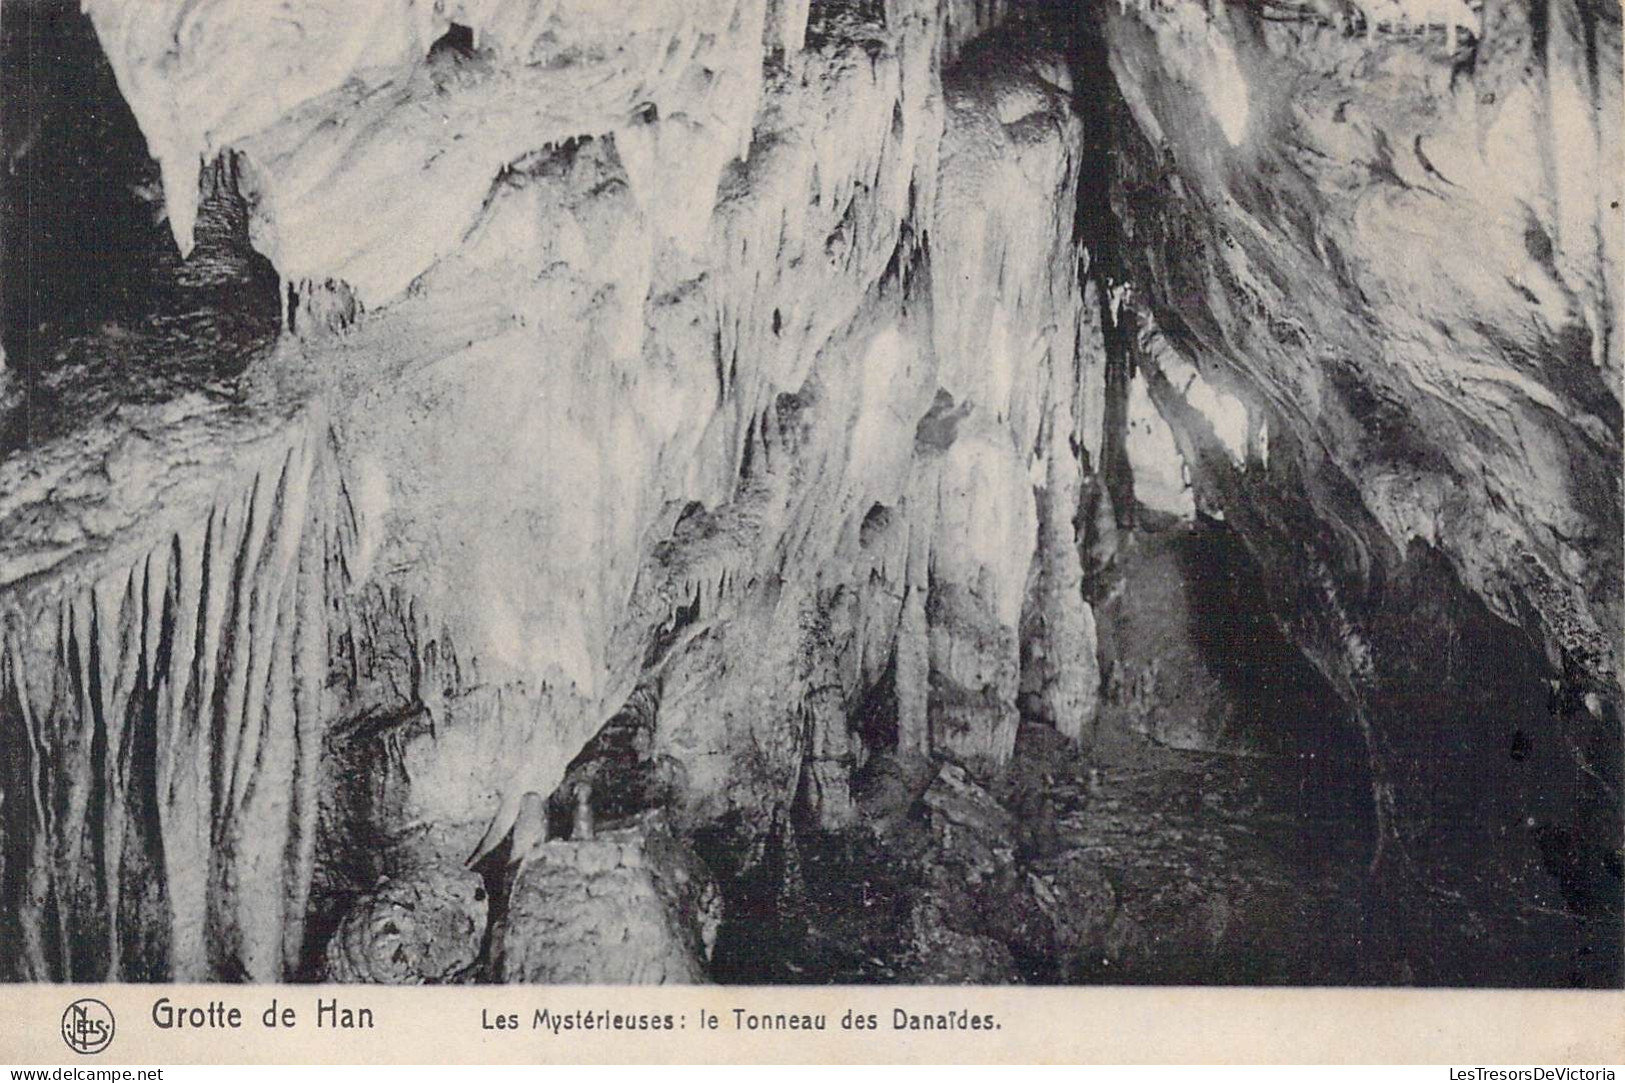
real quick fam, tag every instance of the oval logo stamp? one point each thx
(87, 1026)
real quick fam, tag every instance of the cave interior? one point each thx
(812, 491)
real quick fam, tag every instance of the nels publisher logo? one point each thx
(87, 1026)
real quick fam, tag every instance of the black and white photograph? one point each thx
(811, 493)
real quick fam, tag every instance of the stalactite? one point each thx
(168, 719)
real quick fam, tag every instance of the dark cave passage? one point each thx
(82, 207)
(99, 307)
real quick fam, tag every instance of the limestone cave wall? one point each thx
(620, 424)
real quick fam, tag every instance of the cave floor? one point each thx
(1145, 865)
(1226, 869)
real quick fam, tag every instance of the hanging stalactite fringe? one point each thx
(162, 727)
